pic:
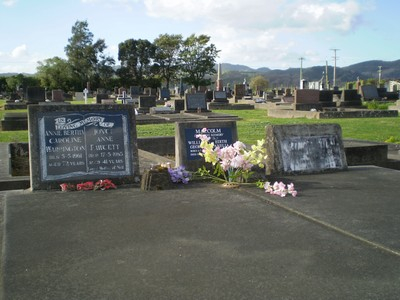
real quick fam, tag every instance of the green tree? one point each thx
(259, 82)
(20, 81)
(86, 57)
(3, 84)
(197, 58)
(167, 56)
(56, 73)
(136, 58)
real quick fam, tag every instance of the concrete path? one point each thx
(339, 239)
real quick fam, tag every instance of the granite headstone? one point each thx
(79, 143)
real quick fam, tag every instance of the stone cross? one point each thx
(124, 98)
(85, 93)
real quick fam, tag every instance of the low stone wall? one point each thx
(160, 145)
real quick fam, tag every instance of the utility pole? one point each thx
(301, 70)
(326, 76)
(334, 67)
(379, 75)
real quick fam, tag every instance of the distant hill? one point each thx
(290, 77)
(234, 73)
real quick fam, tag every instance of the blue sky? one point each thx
(256, 33)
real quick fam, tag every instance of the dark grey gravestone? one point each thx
(195, 102)
(164, 94)
(240, 91)
(304, 149)
(100, 97)
(220, 96)
(179, 105)
(209, 96)
(57, 95)
(350, 95)
(35, 94)
(187, 146)
(145, 102)
(135, 91)
(77, 143)
(369, 92)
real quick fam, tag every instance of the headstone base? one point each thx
(155, 179)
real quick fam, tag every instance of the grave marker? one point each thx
(240, 91)
(35, 94)
(164, 94)
(77, 143)
(187, 146)
(135, 91)
(99, 97)
(145, 102)
(79, 96)
(369, 92)
(57, 95)
(304, 149)
(195, 102)
(220, 96)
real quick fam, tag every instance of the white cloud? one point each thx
(127, 4)
(19, 51)
(261, 32)
(19, 60)
(317, 17)
(9, 2)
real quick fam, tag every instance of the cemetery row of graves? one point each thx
(158, 109)
(101, 138)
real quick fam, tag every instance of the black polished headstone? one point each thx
(76, 143)
(35, 94)
(187, 146)
(195, 102)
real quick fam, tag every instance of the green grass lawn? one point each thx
(252, 127)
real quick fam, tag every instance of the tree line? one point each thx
(167, 59)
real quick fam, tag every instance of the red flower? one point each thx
(86, 186)
(65, 187)
(104, 185)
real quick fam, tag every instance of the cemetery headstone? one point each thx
(350, 98)
(135, 91)
(369, 92)
(164, 94)
(220, 96)
(121, 90)
(187, 146)
(240, 91)
(209, 96)
(304, 149)
(35, 94)
(307, 99)
(100, 97)
(57, 95)
(195, 102)
(145, 102)
(79, 143)
(179, 105)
